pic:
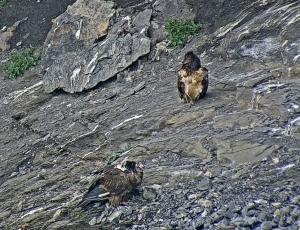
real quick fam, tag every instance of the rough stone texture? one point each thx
(34, 30)
(165, 10)
(7, 33)
(74, 63)
(231, 161)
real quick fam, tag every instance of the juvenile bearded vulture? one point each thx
(192, 80)
(115, 184)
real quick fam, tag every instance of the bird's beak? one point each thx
(185, 62)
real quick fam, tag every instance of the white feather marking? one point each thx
(104, 194)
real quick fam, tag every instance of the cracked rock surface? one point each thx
(231, 161)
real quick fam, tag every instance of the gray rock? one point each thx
(7, 34)
(242, 151)
(180, 215)
(244, 120)
(167, 9)
(250, 221)
(238, 221)
(93, 221)
(295, 213)
(264, 216)
(216, 217)
(72, 38)
(296, 199)
(183, 148)
(205, 203)
(115, 215)
(267, 225)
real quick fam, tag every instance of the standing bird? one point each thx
(115, 184)
(192, 80)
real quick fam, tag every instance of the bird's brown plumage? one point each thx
(114, 184)
(192, 79)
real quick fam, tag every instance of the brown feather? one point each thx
(182, 74)
(204, 82)
(192, 82)
(114, 185)
(195, 85)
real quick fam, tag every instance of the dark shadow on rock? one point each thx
(39, 16)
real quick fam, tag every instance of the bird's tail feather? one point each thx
(97, 194)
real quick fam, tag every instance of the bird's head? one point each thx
(191, 61)
(132, 167)
(188, 57)
(127, 165)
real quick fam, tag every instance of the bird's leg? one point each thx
(184, 98)
(188, 98)
(191, 103)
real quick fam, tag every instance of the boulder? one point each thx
(85, 46)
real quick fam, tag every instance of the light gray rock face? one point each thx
(230, 161)
(78, 57)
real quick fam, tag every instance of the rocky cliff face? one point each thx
(230, 161)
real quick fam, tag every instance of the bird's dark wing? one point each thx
(180, 84)
(204, 82)
(95, 193)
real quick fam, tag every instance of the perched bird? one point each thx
(192, 80)
(115, 184)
